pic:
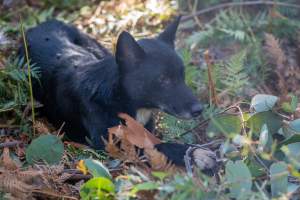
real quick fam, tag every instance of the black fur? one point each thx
(85, 86)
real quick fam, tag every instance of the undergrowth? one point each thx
(252, 51)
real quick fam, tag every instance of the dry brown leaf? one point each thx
(134, 132)
(158, 161)
(41, 127)
(112, 149)
(6, 161)
(135, 135)
(122, 149)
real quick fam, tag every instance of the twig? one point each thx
(211, 83)
(10, 144)
(231, 4)
(201, 123)
(194, 9)
(208, 145)
(188, 161)
(53, 194)
(9, 126)
(77, 177)
(29, 75)
(243, 120)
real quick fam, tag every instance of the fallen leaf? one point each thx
(7, 162)
(134, 132)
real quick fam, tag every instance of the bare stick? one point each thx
(29, 75)
(10, 144)
(211, 84)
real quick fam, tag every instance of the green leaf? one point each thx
(226, 124)
(255, 168)
(229, 150)
(46, 148)
(97, 169)
(263, 102)
(290, 106)
(265, 139)
(292, 187)
(239, 140)
(97, 188)
(293, 139)
(160, 175)
(295, 126)
(279, 179)
(239, 178)
(257, 120)
(292, 153)
(144, 186)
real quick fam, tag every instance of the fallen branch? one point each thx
(9, 126)
(10, 144)
(232, 4)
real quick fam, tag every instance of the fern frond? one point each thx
(235, 77)
(274, 51)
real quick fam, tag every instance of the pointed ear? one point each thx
(128, 51)
(169, 34)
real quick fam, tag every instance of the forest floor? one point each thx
(242, 61)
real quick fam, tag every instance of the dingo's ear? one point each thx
(128, 51)
(169, 34)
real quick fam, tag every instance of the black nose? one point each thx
(196, 110)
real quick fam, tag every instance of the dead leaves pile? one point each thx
(47, 182)
(140, 17)
(123, 141)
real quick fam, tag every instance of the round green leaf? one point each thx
(226, 124)
(257, 120)
(97, 169)
(279, 179)
(295, 125)
(239, 178)
(265, 139)
(292, 153)
(263, 102)
(97, 188)
(229, 150)
(45, 148)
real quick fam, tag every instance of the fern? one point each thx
(235, 77)
(230, 25)
(191, 71)
(258, 69)
(14, 85)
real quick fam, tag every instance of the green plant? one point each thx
(101, 186)
(256, 136)
(97, 188)
(191, 72)
(235, 76)
(45, 148)
(229, 25)
(14, 85)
